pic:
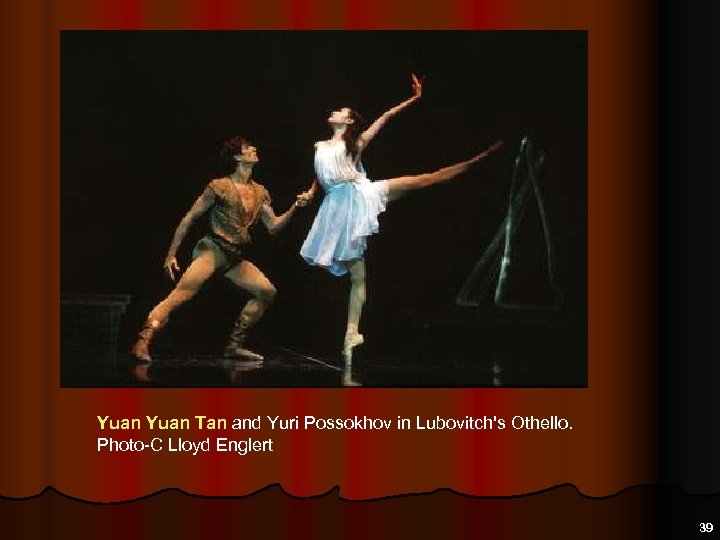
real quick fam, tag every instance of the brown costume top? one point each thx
(229, 219)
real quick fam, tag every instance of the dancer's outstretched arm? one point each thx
(377, 125)
(201, 205)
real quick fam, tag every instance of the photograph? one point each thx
(323, 209)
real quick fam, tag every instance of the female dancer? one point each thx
(349, 213)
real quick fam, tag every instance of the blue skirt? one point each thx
(347, 216)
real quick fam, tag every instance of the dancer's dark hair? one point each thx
(352, 133)
(233, 146)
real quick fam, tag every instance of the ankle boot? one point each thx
(235, 347)
(141, 349)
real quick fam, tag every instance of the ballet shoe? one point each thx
(348, 380)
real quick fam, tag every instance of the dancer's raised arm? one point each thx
(377, 125)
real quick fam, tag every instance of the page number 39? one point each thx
(706, 527)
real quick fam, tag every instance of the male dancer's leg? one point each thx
(192, 280)
(248, 277)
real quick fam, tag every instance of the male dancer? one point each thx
(235, 202)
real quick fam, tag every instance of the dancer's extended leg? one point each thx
(397, 187)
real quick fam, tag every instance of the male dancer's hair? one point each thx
(233, 146)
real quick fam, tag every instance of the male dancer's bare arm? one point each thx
(201, 205)
(273, 223)
(377, 125)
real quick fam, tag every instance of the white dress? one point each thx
(349, 212)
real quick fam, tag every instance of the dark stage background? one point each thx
(142, 114)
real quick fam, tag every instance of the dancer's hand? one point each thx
(170, 265)
(417, 86)
(369, 134)
(303, 199)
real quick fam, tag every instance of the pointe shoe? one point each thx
(348, 380)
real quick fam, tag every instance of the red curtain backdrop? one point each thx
(49, 432)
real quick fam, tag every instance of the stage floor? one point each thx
(541, 358)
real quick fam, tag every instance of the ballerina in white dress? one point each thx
(349, 212)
